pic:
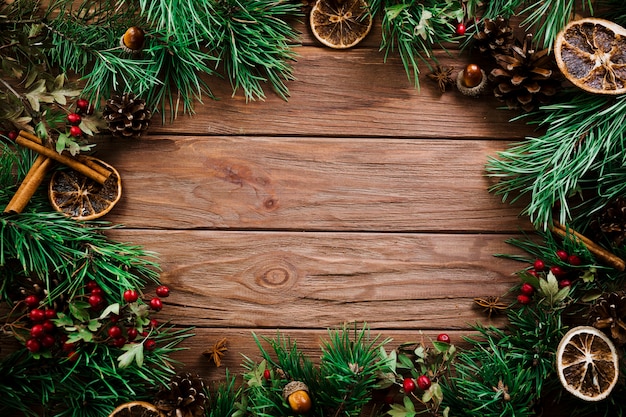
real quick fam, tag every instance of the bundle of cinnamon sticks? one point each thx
(37, 172)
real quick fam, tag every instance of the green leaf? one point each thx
(80, 334)
(111, 309)
(589, 275)
(79, 311)
(63, 320)
(94, 325)
(405, 410)
(394, 11)
(134, 353)
(62, 141)
(441, 347)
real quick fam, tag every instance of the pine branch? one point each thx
(584, 137)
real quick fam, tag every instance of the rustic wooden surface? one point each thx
(361, 198)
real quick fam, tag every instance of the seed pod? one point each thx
(472, 81)
(296, 393)
(133, 39)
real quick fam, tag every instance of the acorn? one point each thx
(133, 39)
(472, 81)
(296, 393)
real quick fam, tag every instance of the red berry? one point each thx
(132, 334)
(163, 291)
(51, 313)
(48, 326)
(37, 314)
(68, 347)
(408, 385)
(156, 304)
(37, 330)
(564, 283)
(149, 344)
(130, 296)
(460, 29)
(523, 299)
(96, 301)
(562, 255)
(557, 271)
(72, 356)
(47, 340)
(74, 119)
(91, 284)
(154, 323)
(114, 332)
(12, 135)
(119, 342)
(532, 272)
(33, 345)
(423, 382)
(75, 131)
(114, 318)
(539, 265)
(267, 374)
(527, 289)
(574, 260)
(31, 301)
(82, 104)
(97, 291)
(443, 337)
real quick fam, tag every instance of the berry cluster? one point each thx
(90, 318)
(563, 271)
(74, 119)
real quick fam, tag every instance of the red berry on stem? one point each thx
(75, 131)
(154, 323)
(51, 313)
(96, 301)
(539, 265)
(31, 301)
(12, 135)
(408, 385)
(460, 29)
(130, 296)
(443, 337)
(37, 314)
(74, 119)
(574, 260)
(97, 290)
(82, 104)
(557, 271)
(132, 334)
(48, 326)
(114, 331)
(119, 342)
(37, 330)
(564, 283)
(72, 356)
(68, 347)
(562, 255)
(156, 304)
(527, 289)
(91, 284)
(33, 345)
(47, 340)
(149, 344)
(423, 382)
(163, 291)
(523, 299)
(267, 374)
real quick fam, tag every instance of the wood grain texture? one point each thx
(319, 280)
(308, 184)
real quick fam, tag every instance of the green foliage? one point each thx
(411, 28)
(223, 397)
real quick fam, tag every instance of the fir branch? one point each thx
(584, 137)
(222, 399)
(411, 28)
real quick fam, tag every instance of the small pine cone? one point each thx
(184, 397)
(496, 37)
(126, 115)
(611, 222)
(36, 286)
(609, 312)
(524, 78)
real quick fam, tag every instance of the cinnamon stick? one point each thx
(73, 163)
(601, 253)
(27, 188)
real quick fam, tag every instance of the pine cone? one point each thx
(32, 285)
(611, 222)
(126, 115)
(609, 312)
(495, 38)
(184, 397)
(524, 78)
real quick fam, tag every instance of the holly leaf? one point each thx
(405, 410)
(134, 353)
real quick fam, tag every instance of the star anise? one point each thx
(443, 77)
(216, 352)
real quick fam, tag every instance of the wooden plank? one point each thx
(353, 93)
(308, 184)
(319, 280)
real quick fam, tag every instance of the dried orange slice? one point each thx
(340, 24)
(591, 53)
(587, 363)
(81, 198)
(136, 409)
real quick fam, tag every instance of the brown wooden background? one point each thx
(359, 199)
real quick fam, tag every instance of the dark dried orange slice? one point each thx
(81, 198)
(587, 363)
(340, 24)
(136, 409)
(591, 53)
